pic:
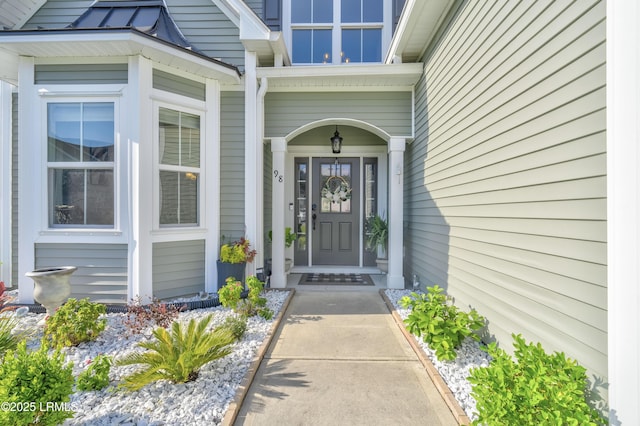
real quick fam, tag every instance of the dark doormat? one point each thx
(335, 279)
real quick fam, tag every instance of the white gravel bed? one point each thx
(455, 372)
(201, 402)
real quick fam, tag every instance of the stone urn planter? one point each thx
(52, 286)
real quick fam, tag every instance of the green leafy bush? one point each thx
(156, 313)
(255, 304)
(236, 324)
(75, 322)
(230, 294)
(237, 252)
(538, 389)
(441, 324)
(32, 382)
(178, 355)
(96, 376)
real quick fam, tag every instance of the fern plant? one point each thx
(178, 355)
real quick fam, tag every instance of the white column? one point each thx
(251, 178)
(623, 210)
(278, 275)
(140, 145)
(5, 182)
(30, 168)
(395, 279)
(211, 195)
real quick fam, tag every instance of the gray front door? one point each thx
(335, 211)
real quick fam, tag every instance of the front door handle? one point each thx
(313, 217)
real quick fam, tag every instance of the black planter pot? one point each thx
(226, 270)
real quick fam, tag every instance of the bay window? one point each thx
(179, 167)
(80, 163)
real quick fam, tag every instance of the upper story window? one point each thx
(337, 31)
(80, 163)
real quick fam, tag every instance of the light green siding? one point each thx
(102, 269)
(390, 111)
(268, 198)
(178, 85)
(178, 268)
(208, 29)
(506, 179)
(232, 164)
(81, 74)
(57, 13)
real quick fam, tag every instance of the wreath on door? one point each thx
(336, 189)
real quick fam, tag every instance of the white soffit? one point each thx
(418, 25)
(77, 43)
(353, 76)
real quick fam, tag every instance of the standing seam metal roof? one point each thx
(148, 16)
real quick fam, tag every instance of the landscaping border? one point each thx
(437, 380)
(232, 412)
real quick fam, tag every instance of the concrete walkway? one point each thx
(338, 358)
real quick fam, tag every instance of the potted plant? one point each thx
(234, 257)
(377, 233)
(289, 238)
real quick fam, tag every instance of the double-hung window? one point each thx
(179, 167)
(80, 163)
(337, 31)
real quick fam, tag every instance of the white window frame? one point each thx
(157, 167)
(82, 98)
(337, 27)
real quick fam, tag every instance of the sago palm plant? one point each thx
(178, 355)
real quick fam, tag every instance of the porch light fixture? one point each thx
(336, 142)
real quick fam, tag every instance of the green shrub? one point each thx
(96, 376)
(230, 294)
(255, 303)
(156, 313)
(37, 384)
(178, 355)
(538, 389)
(441, 324)
(237, 252)
(75, 322)
(236, 324)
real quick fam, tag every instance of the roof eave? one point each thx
(376, 77)
(105, 42)
(417, 28)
